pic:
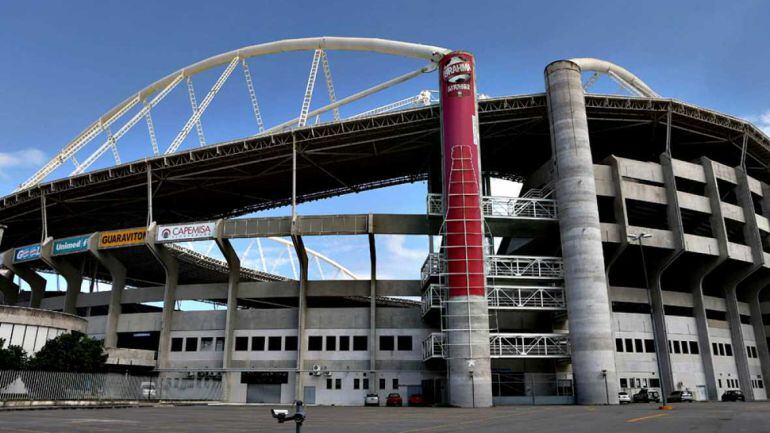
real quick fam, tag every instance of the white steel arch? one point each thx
(618, 73)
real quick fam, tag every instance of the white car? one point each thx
(624, 398)
(372, 400)
(148, 390)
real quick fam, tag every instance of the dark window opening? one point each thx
(716, 315)
(344, 342)
(395, 383)
(694, 348)
(290, 343)
(328, 384)
(360, 342)
(258, 343)
(606, 209)
(646, 214)
(315, 343)
(619, 345)
(745, 319)
(629, 345)
(356, 383)
(274, 343)
(630, 307)
(729, 349)
(207, 344)
(386, 342)
(331, 342)
(691, 186)
(176, 344)
(404, 342)
(190, 344)
(675, 310)
(219, 345)
(654, 383)
(241, 343)
(638, 345)
(337, 383)
(382, 383)
(649, 345)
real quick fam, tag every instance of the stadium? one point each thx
(635, 256)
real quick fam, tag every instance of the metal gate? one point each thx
(263, 393)
(309, 395)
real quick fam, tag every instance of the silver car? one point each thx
(372, 400)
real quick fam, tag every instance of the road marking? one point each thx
(472, 421)
(641, 418)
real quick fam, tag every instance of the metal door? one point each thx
(263, 393)
(309, 395)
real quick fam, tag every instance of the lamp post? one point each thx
(606, 387)
(639, 238)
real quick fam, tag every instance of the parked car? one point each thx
(680, 396)
(148, 390)
(416, 400)
(645, 396)
(733, 395)
(624, 398)
(372, 400)
(394, 399)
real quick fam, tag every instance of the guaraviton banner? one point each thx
(122, 238)
(186, 232)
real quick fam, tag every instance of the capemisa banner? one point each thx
(186, 232)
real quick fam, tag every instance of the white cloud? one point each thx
(22, 159)
(399, 260)
(762, 121)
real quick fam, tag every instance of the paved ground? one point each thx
(700, 417)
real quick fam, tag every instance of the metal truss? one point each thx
(433, 346)
(204, 261)
(525, 267)
(529, 346)
(505, 207)
(526, 298)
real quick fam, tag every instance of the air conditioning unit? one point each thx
(317, 370)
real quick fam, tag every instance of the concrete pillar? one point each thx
(118, 282)
(35, 281)
(372, 307)
(467, 314)
(701, 324)
(588, 307)
(72, 275)
(758, 325)
(8, 288)
(299, 246)
(233, 280)
(171, 268)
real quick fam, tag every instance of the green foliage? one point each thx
(74, 352)
(12, 357)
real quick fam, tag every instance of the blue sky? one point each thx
(65, 63)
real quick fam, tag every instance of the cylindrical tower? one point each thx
(466, 318)
(588, 307)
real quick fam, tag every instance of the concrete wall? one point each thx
(30, 328)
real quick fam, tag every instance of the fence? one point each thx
(532, 388)
(48, 385)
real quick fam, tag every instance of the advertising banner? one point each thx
(122, 238)
(186, 232)
(26, 254)
(75, 244)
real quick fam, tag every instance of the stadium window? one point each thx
(629, 345)
(241, 343)
(619, 345)
(714, 349)
(623, 382)
(191, 344)
(344, 342)
(748, 351)
(360, 342)
(220, 344)
(290, 343)
(337, 383)
(670, 346)
(382, 383)
(328, 384)
(207, 343)
(366, 383)
(274, 343)
(176, 344)
(760, 384)
(405, 342)
(754, 351)
(721, 349)
(654, 382)
(638, 345)
(386, 342)
(356, 383)
(694, 348)
(258, 343)
(395, 384)
(728, 349)
(685, 348)
(331, 342)
(649, 345)
(719, 383)
(315, 343)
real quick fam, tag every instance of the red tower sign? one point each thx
(464, 241)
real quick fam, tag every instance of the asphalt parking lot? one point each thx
(700, 417)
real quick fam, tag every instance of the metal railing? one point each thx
(526, 298)
(531, 388)
(433, 346)
(498, 266)
(505, 207)
(529, 346)
(52, 385)
(504, 298)
(525, 267)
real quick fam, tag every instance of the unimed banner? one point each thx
(122, 238)
(75, 244)
(186, 232)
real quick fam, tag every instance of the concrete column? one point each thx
(8, 288)
(171, 267)
(35, 281)
(467, 313)
(372, 308)
(72, 275)
(588, 306)
(233, 280)
(299, 246)
(701, 323)
(621, 214)
(118, 282)
(758, 325)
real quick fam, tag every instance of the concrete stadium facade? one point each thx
(637, 257)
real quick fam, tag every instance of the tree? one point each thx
(74, 352)
(12, 357)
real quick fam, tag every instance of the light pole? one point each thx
(639, 238)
